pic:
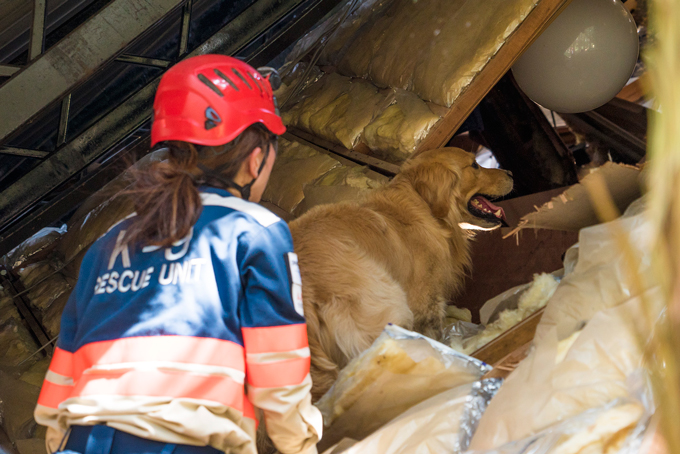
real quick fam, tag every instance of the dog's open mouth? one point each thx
(479, 206)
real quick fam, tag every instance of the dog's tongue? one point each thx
(486, 206)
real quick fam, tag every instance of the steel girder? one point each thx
(238, 35)
(74, 58)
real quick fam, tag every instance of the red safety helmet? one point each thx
(210, 100)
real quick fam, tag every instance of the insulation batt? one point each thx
(565, 375)
(535, 297)
(337, 108)
(344, 110)
(395, 373)
(342, 184)
(395, 133)
(295, 166)
(431, 47)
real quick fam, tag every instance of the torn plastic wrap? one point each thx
(34, 249)
(295, 81)
(457, 334)
(442, 424)
(398, 371)
(619, 427)
(333, 36)
(600, 277)
(588, 345)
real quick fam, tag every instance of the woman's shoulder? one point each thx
(231, 206)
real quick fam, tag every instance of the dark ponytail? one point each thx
(165, 194)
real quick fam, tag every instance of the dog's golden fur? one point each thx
(397, 257)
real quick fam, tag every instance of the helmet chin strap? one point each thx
(216, 174)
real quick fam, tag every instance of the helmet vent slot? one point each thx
(256, 82)
(210, 85)
(226, 79)
(240, 76)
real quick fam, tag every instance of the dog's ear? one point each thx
(435, 183)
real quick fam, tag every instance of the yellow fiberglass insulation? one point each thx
(395, 133)
(533, 299)
(342, 184)
(431, 47)
(295, 166)
(337, 109)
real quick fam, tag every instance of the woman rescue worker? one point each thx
(189, 312)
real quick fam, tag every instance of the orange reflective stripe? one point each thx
(274, 339)
(183, 349)
(156, 383)
(279, 373)
(62, 362)
(52, 394)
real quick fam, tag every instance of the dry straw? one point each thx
(663, 60)
(663, 183)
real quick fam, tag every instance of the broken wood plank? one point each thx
(517, 336)
(376, 164)
(538, 20)
(509, 363)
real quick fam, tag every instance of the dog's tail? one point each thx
(324, 369)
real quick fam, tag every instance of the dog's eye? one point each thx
(475, 165)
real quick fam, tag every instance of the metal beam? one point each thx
(599, 127)
(65, 201)
(8, 70)
(74, 58)
(143, 61)
(127, 117)
(35, 46)
(23, 152)
(184, 32)
(63, 120)
(300, 20)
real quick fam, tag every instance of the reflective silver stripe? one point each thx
(278, 356)
(262, 215)
(58, 379)
(236, 375)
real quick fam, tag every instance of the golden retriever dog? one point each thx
(396, 257)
